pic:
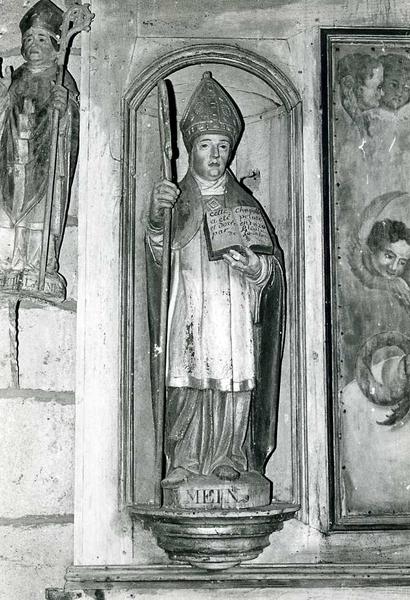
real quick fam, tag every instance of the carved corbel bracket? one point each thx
(214, 540)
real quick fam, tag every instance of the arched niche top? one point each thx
(212, 53)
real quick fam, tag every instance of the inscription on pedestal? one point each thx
(217, 496)
(250, 490)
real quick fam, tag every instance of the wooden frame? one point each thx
(369, 42)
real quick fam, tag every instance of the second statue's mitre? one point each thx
(43, 15)
(210, 110)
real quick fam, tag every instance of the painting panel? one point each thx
(367, 203)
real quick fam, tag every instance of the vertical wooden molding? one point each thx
(83, 158)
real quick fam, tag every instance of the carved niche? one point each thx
(245, 503)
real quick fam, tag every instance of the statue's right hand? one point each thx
(164, 195)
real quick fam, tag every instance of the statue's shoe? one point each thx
(178, 475)
(226, 472)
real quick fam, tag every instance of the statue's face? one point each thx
(209, 155)
(369, 93)
(37, 48)
(396, 90)
(392, 258)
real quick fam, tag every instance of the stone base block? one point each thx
(209, 493)
(47, 348)
(32, 559)
(36, 454)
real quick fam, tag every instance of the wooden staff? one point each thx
(76, 18)
(166, 156)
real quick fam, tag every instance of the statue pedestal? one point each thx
(218, 539)
(211, 493)
(24, 284)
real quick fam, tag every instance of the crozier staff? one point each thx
(225, 321)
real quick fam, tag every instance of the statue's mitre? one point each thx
(43, 15)
(210, 110)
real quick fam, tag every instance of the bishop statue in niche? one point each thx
(226, 308)
(28, 108)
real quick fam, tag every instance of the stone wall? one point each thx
(37, 417)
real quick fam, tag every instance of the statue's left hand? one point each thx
(248, 264)
(59, 98)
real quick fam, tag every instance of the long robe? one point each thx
(24, 165)
(224, 343)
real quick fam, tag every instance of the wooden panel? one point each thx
(367, 161)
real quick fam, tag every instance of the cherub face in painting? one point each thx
(391, 259)
(396, 89)
(369, 92)
(389, 243)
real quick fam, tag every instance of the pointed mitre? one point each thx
(210, 110)
(43, 15)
